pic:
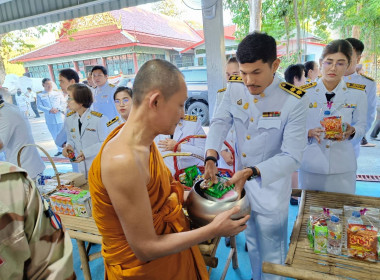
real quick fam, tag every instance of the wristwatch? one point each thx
(255, 174)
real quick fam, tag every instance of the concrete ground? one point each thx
(368, 163)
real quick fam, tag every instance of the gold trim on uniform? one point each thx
(356, 86)
(115, 119)
(239, 102)
(222, 89)
(70, 113)
(235, 78)
(246, 106)
(1, 105)
(190, 118)
(293, 90)
(97, 114)
(369, 78)
(111, 85)
(307, 86)
(255, 100)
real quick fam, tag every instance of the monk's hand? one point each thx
(225, 226)
(239, 179)
(227, 156)
(66, 149)
(316, 133)
(80, 157)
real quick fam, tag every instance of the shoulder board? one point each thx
(190, 118)
(307, 86)
(308, 80)
(96, 114)
(222, 89)
(369, 78)
(39, 91)
(293, 90)
(115, 119)
(70, 113)
(356, 86)
(111, 85)
(235, 78)
(1, 105)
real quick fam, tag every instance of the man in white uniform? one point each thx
(53, 104)
(15, 132)
(351, 76)
(190, 125)
(269, 117)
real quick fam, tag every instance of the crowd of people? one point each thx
(119, 135)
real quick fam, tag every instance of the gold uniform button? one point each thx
(327, 146)
(248, 137)
(255, 100)
(262, 94)
(243, 154)
(251, 120)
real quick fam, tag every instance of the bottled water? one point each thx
(334, 239)
(355, 218)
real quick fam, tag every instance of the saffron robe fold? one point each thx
(166, 198)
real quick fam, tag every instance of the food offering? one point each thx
(334, 128)
(71, 155)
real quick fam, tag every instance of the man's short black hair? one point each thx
(357, 45)
(28, 88)
(232, 60)
(101, 68)
(294, 71)
(156, 74)
(69, 74)
(257, 46)
(44, 80)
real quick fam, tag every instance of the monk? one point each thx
(137, 205)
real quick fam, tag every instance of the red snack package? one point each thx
(362, 242)
(333, 128)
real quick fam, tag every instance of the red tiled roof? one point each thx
(146, 39)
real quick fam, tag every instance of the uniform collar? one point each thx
(271, 88)
(339, 88)
(352, 76)
(85, 115)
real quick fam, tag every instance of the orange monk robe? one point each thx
(166, 198)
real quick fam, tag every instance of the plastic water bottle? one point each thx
(334, 239)
(355, 218)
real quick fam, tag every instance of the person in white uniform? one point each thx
(15, 132)
(329, 165)
(269, 117)
(351, 76)
(103, 93)
(22, 103)
(53, 104)
(189, 125)
(311, 71)
(123, 103)
(86, 129)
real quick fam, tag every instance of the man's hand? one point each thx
(239, 179)
(224, 226)
(227, 156)
(210, 172)
(349, 131)
(168, 145)
(316, 133)
(80, 157)
(53, 111)
(66, 149)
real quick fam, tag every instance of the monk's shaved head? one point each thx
(156, 74)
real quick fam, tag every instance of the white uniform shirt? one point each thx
(48, 100)
(15, 132)
(191, 126)
(22, 102)
(274, 142)
(93, 132)
(334, 157)
(103, 101)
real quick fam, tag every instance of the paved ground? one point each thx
(368, 163)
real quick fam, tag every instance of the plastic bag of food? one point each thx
(334, 128)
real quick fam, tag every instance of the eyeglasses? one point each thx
(69, 99)
(124, 101)
(338, 64)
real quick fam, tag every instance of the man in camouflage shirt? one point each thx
(32, 245)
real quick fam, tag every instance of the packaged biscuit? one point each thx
(333, 128)
(320, 239)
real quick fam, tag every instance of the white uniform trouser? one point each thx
(266, 237)
(54, 129)
(339, 183)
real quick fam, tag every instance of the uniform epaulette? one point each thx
(111, 122)
(307, 86)
(96, 114)
(190, 118)
(222, 90)
(70, 113)
(308, 81)
(2, 105)
(235, 78)
(111, 85)
(369, 78)
(356, 86)
(39, 91)
(293, 90)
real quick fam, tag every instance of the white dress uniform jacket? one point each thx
(270, 130)
(15, 132)
(190, 125)
(370, 90)
(333, 157)
(48, 100)
(103, 101)
(93, 132)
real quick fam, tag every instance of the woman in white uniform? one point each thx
(123, 101)
(86, 130)
(330, 165)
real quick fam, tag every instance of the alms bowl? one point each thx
(202, 211)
